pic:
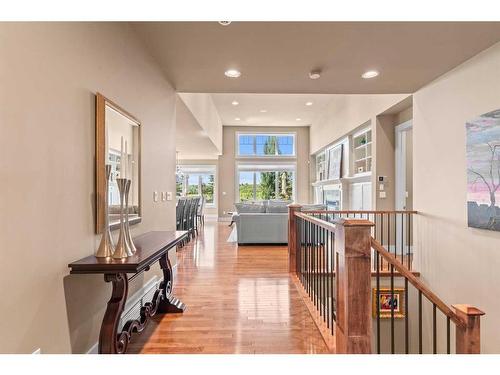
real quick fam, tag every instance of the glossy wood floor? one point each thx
(240, 300)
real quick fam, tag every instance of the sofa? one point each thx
(264, 222)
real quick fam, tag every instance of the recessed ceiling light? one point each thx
(263, 110)
(224, 23)
(309, 103)
(298, 119)
(370, 74)
(315, 74)
(237, 119)
(234, 102)
(232, 73)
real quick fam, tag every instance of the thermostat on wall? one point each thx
(382, 178)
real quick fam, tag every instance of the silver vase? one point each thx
(128, 236)
(122, 249)
(106, 246)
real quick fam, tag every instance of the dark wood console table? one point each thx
(151, 247)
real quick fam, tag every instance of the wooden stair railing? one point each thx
(332, 262)
(465, 317)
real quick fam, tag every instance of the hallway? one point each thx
(240, 300)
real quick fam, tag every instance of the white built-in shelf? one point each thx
(359, 176)
(362, 152)
(363, 145)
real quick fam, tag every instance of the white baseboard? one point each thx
(133, 306)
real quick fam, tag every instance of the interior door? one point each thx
(404, 177)
(404, 166)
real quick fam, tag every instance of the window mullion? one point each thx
(254, 186)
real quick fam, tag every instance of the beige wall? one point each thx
(461, 264)
(227, 164)
(49, 73)
(345, 113)
(203, 109)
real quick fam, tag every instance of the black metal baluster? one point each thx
(377, 298)
(382, 239)
(320, 272)
(434, 329)
(420, 322)
(402, 238)
(332, 262)
(302, 251)
(388, 232)
(313, 266)
(327, 278)
(375, 235)
(308, 256)
(392, 310)
(407, 337)
(323, 274)
(318, 239)
(410, 261)
(306, 240)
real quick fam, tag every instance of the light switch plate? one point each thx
(382, 194)
(163, 196)
(169, 196)
(155, 196)
(381, 187)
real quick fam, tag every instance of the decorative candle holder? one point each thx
(106, 246)
(122, 249)
(128, 236)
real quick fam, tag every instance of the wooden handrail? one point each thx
(321, 223)
(359, 212)
(391, 259)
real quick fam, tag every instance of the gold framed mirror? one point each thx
(115, 127)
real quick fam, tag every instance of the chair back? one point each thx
(201, 205)
(179, 210)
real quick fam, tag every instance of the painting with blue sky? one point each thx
(483, 171)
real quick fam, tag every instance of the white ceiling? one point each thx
(282, 109)
(275, 57)
(191, 141)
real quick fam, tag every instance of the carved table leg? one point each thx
(109, 341)
(169, 303)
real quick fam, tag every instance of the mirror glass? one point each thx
(118, 138)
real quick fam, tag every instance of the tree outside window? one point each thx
(195, 184)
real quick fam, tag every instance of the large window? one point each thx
(196, 180)
(266, 182)
(266, 145)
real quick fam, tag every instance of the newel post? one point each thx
(468, 338)
(293, 237)
(353, 296)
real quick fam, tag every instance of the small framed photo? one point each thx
(386, 301)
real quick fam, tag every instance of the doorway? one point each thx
(404, 166)
(403, 179)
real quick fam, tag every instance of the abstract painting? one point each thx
(335, 163)
(388, 301)
(483, 171)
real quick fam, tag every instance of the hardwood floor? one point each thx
(240, 300)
